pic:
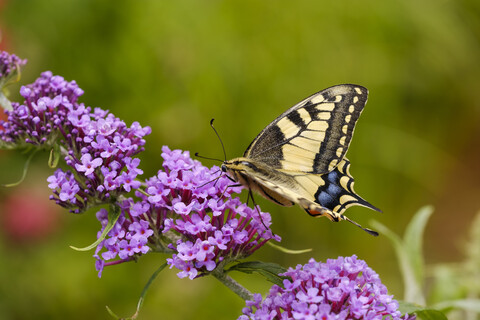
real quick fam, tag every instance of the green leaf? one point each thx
(464, 304)
(407, 307)
(420, 312)
(145, 289)
(413, 291)
(4, 102)
(142, 295)
(269, 270)
(286, 250)
(430, 314)
(24, 174)
(413, 240)
(113, 216)
(54, 157)
(409, 253)
(110, 312)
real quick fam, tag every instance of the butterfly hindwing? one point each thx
(312, 136)
(335, 192)
(326, 195)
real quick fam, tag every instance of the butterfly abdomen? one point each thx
(260, 178)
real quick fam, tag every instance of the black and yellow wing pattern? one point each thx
(300, 156)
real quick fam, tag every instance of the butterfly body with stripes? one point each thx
(299, 158)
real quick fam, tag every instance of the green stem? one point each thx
(230, 283)
(143, 192)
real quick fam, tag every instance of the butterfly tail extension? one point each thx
(337, 193)
(369, 231)
(360, 201)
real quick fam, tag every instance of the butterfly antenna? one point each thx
(202, 157)
(369, 231)
(218, 136)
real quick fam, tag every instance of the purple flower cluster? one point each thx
(345, 288)
(98, 147)
(187, 211)
(9, 66)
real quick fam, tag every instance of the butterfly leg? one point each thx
(214, 179)
(250, 195)
(229, 186)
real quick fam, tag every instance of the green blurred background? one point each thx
(174, 65)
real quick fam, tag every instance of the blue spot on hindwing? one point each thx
(334, 190)
(333, 177)
(325, 200)
(329, 194)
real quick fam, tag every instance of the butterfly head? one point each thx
(229, 169)
(237, 164)
(238, 169)
(231, 166)
(224, 167)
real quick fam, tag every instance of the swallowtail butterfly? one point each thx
(300, 156)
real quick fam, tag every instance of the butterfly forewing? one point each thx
(312, 136)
